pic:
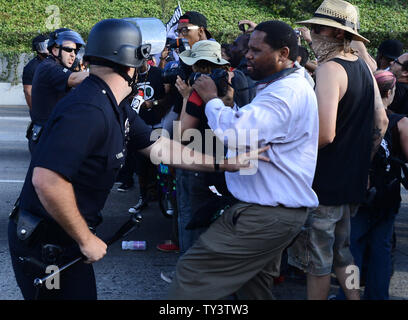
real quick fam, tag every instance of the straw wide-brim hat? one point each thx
(203, 50)
(338, 14)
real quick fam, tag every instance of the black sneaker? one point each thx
(141, 204)
(124, 187)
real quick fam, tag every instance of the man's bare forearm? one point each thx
(57, 196)
(175, 154)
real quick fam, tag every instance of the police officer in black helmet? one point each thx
(39, 46)
(53, 79)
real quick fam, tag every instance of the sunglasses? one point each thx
(69, 50)
(184, 31)
(397, 62)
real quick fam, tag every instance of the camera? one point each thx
(219, 76)
(182, 70)
(180, 43)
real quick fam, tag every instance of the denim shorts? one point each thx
(324, 241)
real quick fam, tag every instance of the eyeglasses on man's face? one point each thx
(184, 30)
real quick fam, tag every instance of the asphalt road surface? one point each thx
(131, 275)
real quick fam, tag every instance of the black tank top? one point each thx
(342, 166)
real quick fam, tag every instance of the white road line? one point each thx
(11, 181)
(15, 118)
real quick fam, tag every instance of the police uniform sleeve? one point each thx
(69, 138)
(58, 76)
(139, 131)
(28, 75)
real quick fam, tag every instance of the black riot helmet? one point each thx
(39, 44)
(118, 41)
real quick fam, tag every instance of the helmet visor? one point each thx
(41, 47)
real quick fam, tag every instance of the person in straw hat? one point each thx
(352, 122)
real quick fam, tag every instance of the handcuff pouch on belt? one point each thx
(28, 225)
(36, 132)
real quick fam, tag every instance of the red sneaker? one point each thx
(168, 246)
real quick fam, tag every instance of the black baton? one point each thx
(126, 228)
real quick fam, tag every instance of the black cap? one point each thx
(390, 48)
(197, 19)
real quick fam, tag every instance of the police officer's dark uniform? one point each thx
(38, 45)
(83, 141)
(50, 84)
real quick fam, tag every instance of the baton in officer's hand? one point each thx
(125, 229)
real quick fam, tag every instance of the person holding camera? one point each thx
(241, 250)
(53, 79)
(192, 26)
(204, 58)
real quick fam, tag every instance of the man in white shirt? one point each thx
(241, 251)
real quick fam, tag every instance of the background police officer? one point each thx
(39, 46)
(53, 79)
(74, 167)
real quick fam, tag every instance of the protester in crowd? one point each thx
(241, 250)
(193, 27)
(352, 121)
(204, 57)
(388, 51)
(241, 79)
(151, 104)
(154, 107)
(372, 227)
(53, 79)
(399, 67)
(304, 33)
(39, 46)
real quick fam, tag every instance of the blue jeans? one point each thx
(186, 237)
(371, 232)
